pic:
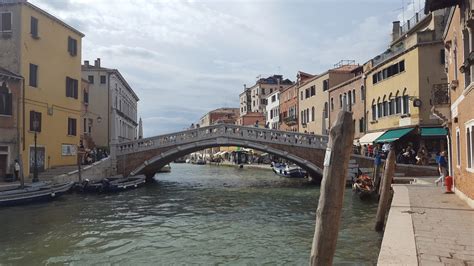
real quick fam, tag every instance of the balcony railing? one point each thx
(290, 120)
(440, 94)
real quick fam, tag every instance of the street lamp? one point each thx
(35, 166)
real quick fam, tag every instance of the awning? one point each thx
(433, 132)
(393, 135)
(369, 137)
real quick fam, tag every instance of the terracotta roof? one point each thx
(7, 73)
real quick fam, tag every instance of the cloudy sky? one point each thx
(184, 58)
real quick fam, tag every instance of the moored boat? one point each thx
(111, 184)
(363, 187)
(287, 170)
(35, 192)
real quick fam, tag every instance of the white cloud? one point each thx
(184, 58)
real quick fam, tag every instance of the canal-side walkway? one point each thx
(427, 227)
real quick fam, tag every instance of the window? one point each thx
(313, 90)
(458, 148)
(374, 111)
(302, 117)
(102, 79)
(263, 91)
(72, 46)
(385, 107)
(332, 104)
(353, 96)
(34, 27)
(361, 125)
(71, 126)
(86, 97)
(91, 79)
(340, 101)
(398, 104)
(307, 93)
(349, 100)
(301, 95)
(84, 126)
(5, 100)
(326, 110)
(388, 72)
(442, 57)
(6, 22)
(71, 87)
(374, 78)
(312, 113)
(469, 147)
(379, 109)
(273, 98)
(35, 116)
(362, 93)
(326, 85)
(401, 66)
(391, 106)
(406, 107)
(33, 75)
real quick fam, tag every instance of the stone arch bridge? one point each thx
(147, 156)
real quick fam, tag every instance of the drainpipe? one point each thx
(450, 159)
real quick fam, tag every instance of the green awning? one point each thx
(433, 131)
(393, 135)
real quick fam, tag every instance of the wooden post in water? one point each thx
(385, 191)
(333, 185)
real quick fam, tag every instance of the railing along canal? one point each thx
(242, 133)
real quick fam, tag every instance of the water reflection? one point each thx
(195, 214)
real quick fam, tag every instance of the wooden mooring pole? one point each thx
(385, 191)
(331, 197)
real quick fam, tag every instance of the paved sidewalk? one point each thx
(439, 226)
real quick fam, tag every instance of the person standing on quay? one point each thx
(16, 168)
(442, 167)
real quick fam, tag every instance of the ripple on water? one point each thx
(193, 215)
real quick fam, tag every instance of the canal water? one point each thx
(193, 215)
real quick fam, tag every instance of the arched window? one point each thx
(379, 108)
(5, 100)
(385, 106)
(362, 93)
(353, 96)
(349, 101)
(398, 103)
(406, 105)
(374, 110)
(326, 111)
(391, 104)
(332, 104)
(312, 113)
(340, 101)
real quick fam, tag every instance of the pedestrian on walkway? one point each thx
(442, 167)
(16, 169)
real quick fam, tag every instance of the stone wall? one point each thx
(95, 171)
(408, 170)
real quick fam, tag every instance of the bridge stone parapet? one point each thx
(146, 156)
(224, 131)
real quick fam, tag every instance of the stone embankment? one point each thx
(95, 171)
(425, 226)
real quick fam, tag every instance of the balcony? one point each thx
(290, 120)
(441, 102)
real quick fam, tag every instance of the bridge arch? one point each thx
(163, 158)
(147, 156)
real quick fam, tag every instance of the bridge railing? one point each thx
(224, 130)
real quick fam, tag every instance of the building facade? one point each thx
(220, 116)
(289, 103)
(313, 98)
(252, 119)
(47, 52)
(349, 96)
(112, 103)
(454, 103)
(263, 87)
(399, 85)
(272, 110)
(10, 104)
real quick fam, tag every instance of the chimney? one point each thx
(86, 63)
(396, 30)
(97, 62)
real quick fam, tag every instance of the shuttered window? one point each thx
(35, 116)
(5, 101)
(72, 46)
(71, 126)
(34, 27)
(33, 75)
(71, 87)
(6, 22)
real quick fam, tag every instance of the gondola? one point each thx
(111, 184)
(363, 187)
(36, 192)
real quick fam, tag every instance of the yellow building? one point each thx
(399, 83)
(47, 53)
